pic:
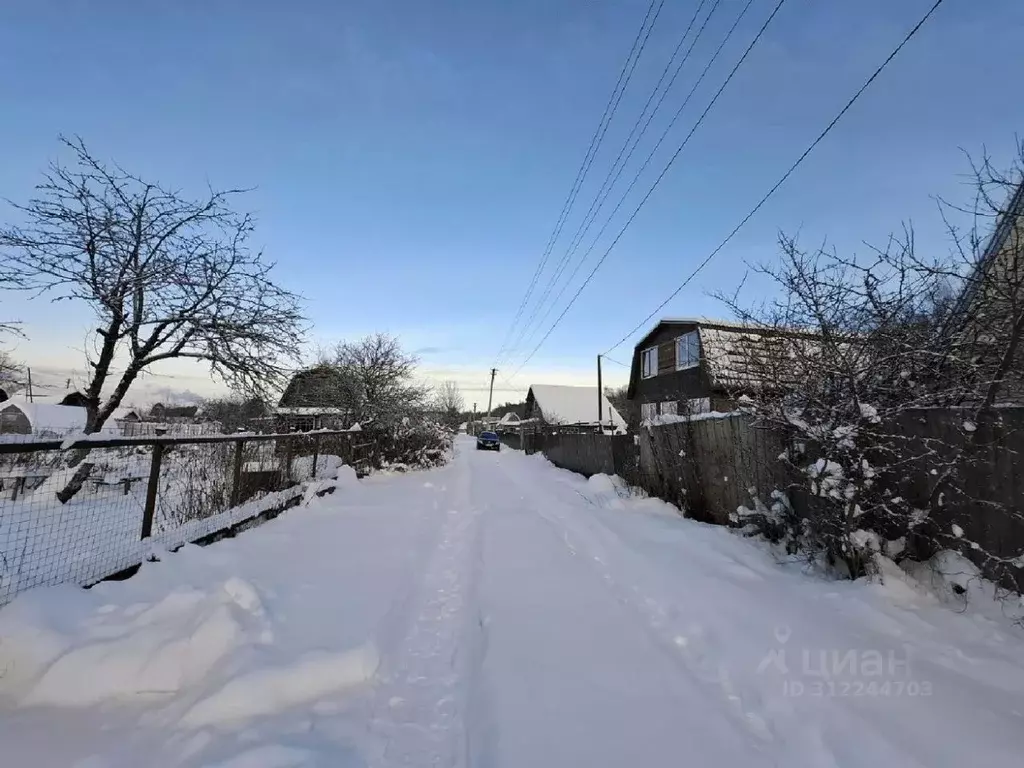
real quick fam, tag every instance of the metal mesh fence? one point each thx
(44, 541)
(125, 497)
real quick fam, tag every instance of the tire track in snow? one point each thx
(418, 715)
(687, 646)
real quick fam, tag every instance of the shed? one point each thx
(565, 406)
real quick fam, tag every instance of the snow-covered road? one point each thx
(500, 612)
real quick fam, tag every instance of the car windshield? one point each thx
(489, 435)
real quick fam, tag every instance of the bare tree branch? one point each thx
(166, 276)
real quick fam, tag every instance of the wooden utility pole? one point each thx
(490, 394)
(31, 399)
(600, 396)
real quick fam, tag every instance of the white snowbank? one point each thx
(55, 660)
(275, 689)
(326, 466)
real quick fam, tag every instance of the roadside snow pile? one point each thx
(269, 690)
(56, 654)
(326, 466)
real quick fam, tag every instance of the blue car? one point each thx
(488, 441)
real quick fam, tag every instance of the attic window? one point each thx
(687, 351)
(649, 363)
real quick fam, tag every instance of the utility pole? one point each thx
(31, 399)
(600, 395)
(490, 395)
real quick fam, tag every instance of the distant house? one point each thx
(686, 366)
(510, 419)
(129, 415)
(76, 399)
(40, 419)
(313, 399)
(571, 406)
(172, 413)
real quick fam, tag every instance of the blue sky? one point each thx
(409, 158)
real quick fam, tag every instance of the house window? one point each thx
(648, 411)
(649, 363)
(687, 351)
(670, 408)
(698, 405)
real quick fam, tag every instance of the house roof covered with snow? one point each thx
(510, 418)
(559, 404)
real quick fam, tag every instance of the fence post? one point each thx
(236, 475)
(316, 453)
(151, 489)
(289, 453)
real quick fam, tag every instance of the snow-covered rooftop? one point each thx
(562, 404)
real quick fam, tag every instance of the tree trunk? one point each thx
(95, 419)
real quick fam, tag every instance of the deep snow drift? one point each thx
(500, 612)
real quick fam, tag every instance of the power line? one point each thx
(616, 169)
(612, 360)
(654, 186)
(787, 174)
(625, 74)
(644, 165)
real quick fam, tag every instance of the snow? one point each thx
(326, 465)
(573, 405)
(869, 413)
(50, 418)
(498, 611)
(678, 418)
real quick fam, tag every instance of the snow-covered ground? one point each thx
(500, 612)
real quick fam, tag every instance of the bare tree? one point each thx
(617, 396)
(11, 372)
(851, 349)
(373, 378)
(167, 277)
(235, 412)
(449, 401)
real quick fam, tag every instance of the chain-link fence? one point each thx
(81, 513)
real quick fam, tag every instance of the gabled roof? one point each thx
(572, 405)
(701, 321)
(737, 355)
(1010, 221)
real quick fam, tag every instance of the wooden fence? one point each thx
(711, 466)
